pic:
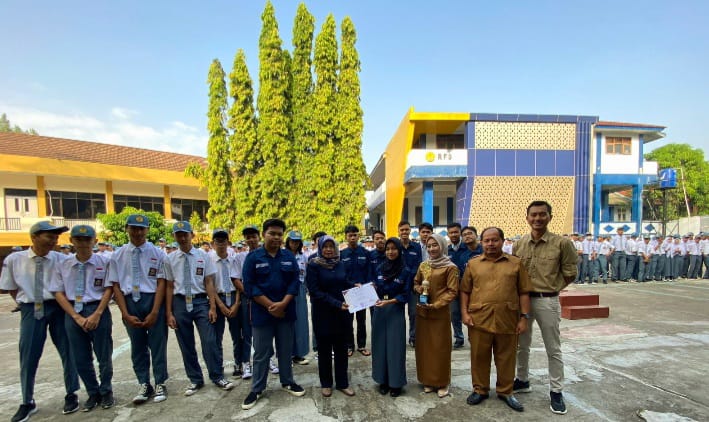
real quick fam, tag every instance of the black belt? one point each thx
(197, 296)
(543, 294)
(86, 303)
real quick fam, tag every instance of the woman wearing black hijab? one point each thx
(393, 284)
(326, 279)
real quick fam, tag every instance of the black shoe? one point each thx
(476, 398)
(146, 391)
(458, 344)
(412, 342)
(237, 371)
(395, 392)
(18, 308)
(71, 403)
(294, 389)
(383, 389)
(557, 403)
(107, 400)
(250, 400)
(512, 402)
(92, 402)
(521, 386)
(24, 412)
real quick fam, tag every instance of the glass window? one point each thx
(618, 145)
(453, 141)
(75, 205)
(145, 203)
(182, 209)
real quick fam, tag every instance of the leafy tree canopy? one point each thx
(114, 226)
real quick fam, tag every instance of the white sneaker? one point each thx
(246, 366)
(224, 384)
(160, 393)
(273, 366)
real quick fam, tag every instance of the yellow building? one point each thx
(69, 182)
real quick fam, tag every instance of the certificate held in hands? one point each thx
(358, 298)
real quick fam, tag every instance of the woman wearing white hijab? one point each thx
(433, 321)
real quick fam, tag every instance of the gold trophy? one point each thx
(425, 284)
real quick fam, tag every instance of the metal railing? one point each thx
(10, 224)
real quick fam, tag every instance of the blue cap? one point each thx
(46, 226)
(676, 236)
(173, 245)
(220, 233)
(250, 229)
(83, 230)
(138, 220)
(295, 235)
(182, 226)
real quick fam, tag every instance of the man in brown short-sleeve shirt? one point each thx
(494, 304)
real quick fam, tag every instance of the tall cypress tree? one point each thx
(322, 211)
(245, 152)
(274, 180)
(301, 100)
(218, 173)
(350, 172)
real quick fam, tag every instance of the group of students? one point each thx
(632, 258)
(261, 295)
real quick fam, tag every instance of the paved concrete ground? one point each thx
(651, 355)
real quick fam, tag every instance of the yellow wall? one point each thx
(46, 166)
(395, 156)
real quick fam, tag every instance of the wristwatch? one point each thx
(524, 316)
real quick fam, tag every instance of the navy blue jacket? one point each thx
(356, 264)
(398, 288)
(273, 277)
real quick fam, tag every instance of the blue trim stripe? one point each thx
(434, 172)
(582, 162)
(427, 205)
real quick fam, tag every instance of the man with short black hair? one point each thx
(458, 253)
(356, 260)
(271, 280)
(550, 260)
(413, 258)
(26, 275)
(242, 351)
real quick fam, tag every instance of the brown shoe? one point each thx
(347, 391)
(327, 392)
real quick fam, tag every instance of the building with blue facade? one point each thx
(484, 169)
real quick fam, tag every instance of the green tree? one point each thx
(322, 211)
(6, 126)
(114, 226)
(245, 152)
(689, 162)
(350, 173)
(218, 172)
(301, 99)
(274, 180)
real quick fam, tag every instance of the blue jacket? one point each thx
(461, 257)
(398, 288)
(273, 277)
(413, 256)
(356, 264)
(375, 260)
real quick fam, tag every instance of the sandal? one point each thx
(364, 352)
(327, 392)
(443, 392)
(350, 352)
(427, 389)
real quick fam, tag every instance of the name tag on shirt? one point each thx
(199, 271)
(98, 282)
(261, 265)
(152, 272)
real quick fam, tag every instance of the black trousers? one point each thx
(361, 331)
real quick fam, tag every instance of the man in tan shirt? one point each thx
(550, 260)
(494, 289)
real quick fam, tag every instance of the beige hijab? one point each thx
(443, 260)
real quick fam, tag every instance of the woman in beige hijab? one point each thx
(433, 321)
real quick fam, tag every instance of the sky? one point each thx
(134, 72)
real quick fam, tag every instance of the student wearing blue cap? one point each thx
(83, 291)
(26, 275)
(191, 300)
(301, 342)
(139, 293)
